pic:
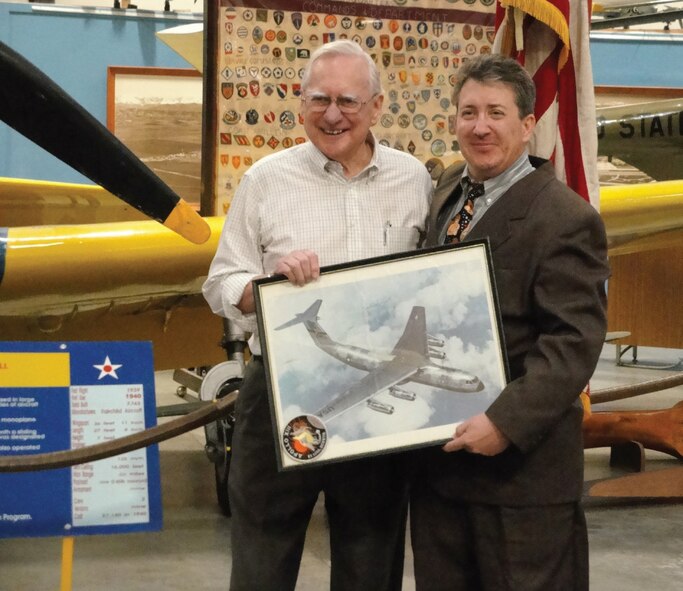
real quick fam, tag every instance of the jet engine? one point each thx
(436, 354)
(387, 409)
(401, 393)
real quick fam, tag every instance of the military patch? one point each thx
(304, 437)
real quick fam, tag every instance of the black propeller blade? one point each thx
(39, 109)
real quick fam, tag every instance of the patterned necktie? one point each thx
(463, 218)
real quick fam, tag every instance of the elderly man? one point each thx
(338, 198)
(499, 507)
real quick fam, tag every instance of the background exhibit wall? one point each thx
(261, 51)
(76, 49)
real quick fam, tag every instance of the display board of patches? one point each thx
(262, 47)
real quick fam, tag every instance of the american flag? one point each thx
(550, 38)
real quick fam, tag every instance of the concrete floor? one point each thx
(635, 545)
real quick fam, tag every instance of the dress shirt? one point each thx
(493, 189)
(299, 199)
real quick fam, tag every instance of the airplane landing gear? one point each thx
(221, 380)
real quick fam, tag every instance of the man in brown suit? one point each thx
(499, 506)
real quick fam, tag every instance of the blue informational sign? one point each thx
(60, 396)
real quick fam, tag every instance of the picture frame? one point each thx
(157, 114)
(380, 355)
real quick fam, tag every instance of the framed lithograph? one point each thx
(380, 355)
(157, 113)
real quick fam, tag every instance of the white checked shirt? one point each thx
(298, 199)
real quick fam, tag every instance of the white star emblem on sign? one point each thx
(107, 368)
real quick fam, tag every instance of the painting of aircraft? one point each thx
(409, 361)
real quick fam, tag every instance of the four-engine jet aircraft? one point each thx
(409, 361)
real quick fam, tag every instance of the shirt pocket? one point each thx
(400, 238)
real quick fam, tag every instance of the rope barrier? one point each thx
(62, 459)
(221, 407)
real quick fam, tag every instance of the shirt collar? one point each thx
(517, 168)
(323, 162)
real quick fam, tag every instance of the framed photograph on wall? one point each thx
(380, 355)
(157, 113)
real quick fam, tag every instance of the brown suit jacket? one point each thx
(549, 254)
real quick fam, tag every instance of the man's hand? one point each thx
(478, 435)
(299, 266)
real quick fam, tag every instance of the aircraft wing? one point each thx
(642, 217)
(386, 375)
(44, 203)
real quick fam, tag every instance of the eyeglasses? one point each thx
(319, 103)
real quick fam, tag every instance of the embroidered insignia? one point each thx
(227, 88)
(438, 148)
(287, 120)
(252, 117)
(231, 117)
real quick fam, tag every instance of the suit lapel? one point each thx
(512, 207)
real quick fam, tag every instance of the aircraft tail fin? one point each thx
(310, 315)
(414, 337)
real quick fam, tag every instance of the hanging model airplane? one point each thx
(409, 361)
(614, 15)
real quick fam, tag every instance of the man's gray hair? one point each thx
(344, 47)
(498, 68)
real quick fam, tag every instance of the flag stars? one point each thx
(108, 368)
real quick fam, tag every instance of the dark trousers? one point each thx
(462, 546)
(366, 503)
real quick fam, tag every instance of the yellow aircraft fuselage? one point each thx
(137, 280)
